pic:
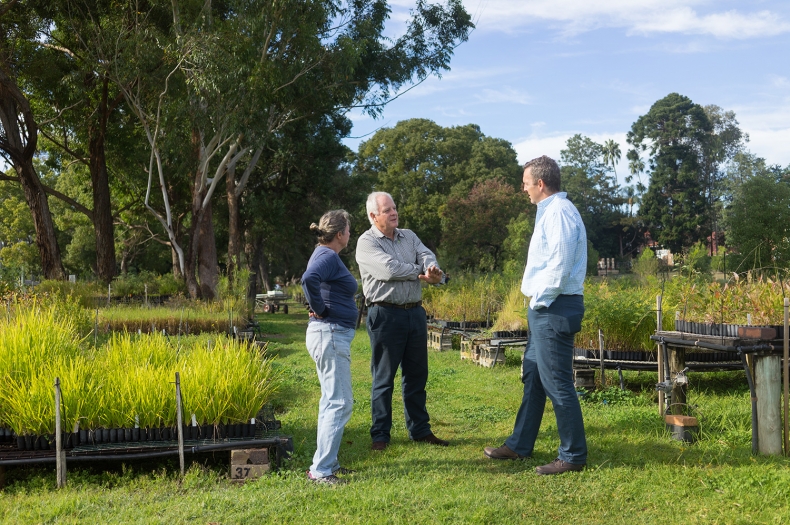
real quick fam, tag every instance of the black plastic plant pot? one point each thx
(166, 433)
(20, 443)
(134, 434)
(113, 435)
(154, 434)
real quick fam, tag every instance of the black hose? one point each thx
(148, 455)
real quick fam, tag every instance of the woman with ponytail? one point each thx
(329, 289)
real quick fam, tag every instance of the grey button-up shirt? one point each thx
(389, 268)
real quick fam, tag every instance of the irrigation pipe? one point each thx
(258, 443)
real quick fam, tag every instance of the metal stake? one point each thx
(180, 423)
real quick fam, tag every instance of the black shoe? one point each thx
(433, 440)
(326, 480)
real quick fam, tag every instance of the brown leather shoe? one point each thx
(502, 452)
(559, 466)
(379, 445)
(433, 440)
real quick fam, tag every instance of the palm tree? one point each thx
(611, 154)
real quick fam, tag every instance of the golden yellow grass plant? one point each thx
(128, 380)
(513, 315)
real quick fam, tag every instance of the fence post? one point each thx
(785, 370)
(603, 368)
(180, 423)
(659, 327)
(60, 455)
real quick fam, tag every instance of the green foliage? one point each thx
(612, 395)
(126, 381)
(421, 164)
(758, 222)
(647, 264)
(696, 262)
(676, 131)
(591, 186)
(467, 297)
(516, 245)
(474, 227)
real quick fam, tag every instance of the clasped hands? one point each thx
(432, 275)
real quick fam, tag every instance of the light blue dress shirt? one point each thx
(557, 258)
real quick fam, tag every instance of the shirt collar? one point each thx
(378, 233)
(551, 198)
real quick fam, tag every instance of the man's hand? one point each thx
(432, 275)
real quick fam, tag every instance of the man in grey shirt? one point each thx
(392, 263)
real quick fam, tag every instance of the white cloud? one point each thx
(506, 95)
(768, 126)
(572, 17)
(551, 144)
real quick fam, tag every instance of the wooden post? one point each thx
(677, 362)
(767, 381)
(603, 368)
(180, 423)
(60, 456)
(785, 370)
(659, 325)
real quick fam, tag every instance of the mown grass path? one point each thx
(636, 474)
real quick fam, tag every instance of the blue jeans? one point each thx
(547, 370)
(398, 337)
(329, 345)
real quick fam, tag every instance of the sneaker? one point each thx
(379, 445)
(503, 452)
(326, 480)
(559, 466)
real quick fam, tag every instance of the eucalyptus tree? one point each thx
(81, 108)
(248, 69)
(19, 27)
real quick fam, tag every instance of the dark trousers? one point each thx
(398, 337)
(547, 371)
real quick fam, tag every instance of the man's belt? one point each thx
(393, 305)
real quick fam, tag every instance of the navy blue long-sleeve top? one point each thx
(329, 288)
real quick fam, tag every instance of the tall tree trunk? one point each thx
(208, 268)
(46, 240)
(102, 210)
(13, 108)
(201, 268)
(234, 233)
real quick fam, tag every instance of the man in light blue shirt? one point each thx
(554, 281)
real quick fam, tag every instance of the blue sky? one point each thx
(535, 72)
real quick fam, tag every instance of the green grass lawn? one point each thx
(635, 474)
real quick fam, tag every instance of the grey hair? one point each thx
(546, 169)
(331, 223)
(372, 204)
